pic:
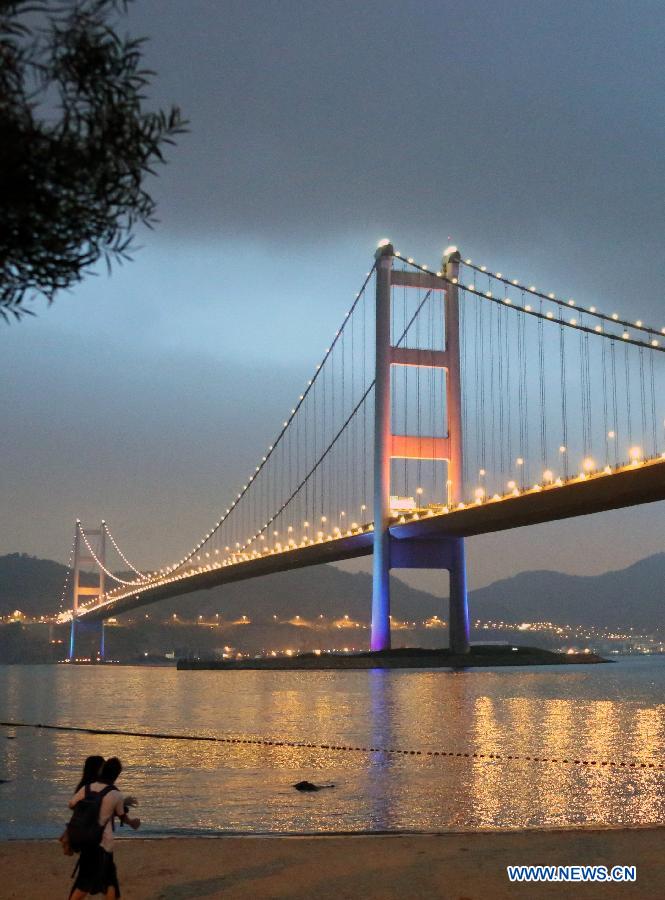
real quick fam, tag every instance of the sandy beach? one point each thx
(453, 866)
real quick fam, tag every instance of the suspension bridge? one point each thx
(451, 402)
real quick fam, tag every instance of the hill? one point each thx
(632, 596)
(33, 585)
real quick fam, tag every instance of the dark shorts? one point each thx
(96, 872)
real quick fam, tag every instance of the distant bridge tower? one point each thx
(390, 552)
(87, 555)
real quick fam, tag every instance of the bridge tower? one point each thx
(96, 557)
(390, 552)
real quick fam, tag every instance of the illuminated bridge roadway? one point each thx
(630, 485)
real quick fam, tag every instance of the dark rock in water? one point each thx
(308, 786)
(4, 780)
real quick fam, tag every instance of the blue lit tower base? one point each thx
(81, 628)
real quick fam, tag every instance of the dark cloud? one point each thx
(532, 131)
(339, 115)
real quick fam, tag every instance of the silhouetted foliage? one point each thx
(76, 144)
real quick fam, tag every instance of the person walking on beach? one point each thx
(96, 871)
(92, 768)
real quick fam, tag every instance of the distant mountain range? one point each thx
(632, 596)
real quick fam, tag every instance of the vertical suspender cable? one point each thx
(354, 433)
(654, 439)
(483, 360)
(643, 403)
(587, 362)
(509, 399)
(492, 386)
(405, 369)
(564, 409)
(499, 339)
(463, 378)
(615, 406)
(541, 379)
(419, 479)
(628, 401)
(476, 355)
(364, 339)
(605, 422)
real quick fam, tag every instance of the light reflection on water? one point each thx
(599, 713)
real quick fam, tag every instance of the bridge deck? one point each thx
(630, 486)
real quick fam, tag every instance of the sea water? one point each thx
(601, 718)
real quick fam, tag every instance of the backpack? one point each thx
(83, 829)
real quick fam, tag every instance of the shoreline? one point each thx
(378, 833)
(391, 866)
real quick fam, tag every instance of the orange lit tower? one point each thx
(390, 552)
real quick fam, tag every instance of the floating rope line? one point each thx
(350, 748)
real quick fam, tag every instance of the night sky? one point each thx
(530, 134)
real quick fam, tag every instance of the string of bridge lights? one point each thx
(98, 561)
(68, 574)
(337, 530)
(142, 575)
(591, 310)
(573, 322)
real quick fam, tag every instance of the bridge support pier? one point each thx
(380, 636)
(458, 614)
(440, 553)
(94, 628)
(72, 639)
